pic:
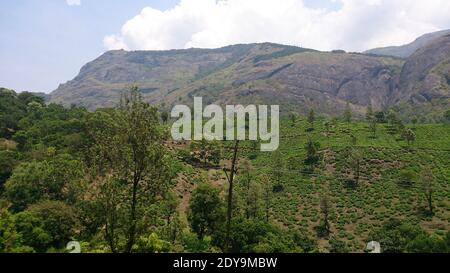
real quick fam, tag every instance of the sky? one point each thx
(46, 42)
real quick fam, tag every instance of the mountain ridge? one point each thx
(297, 78)
(405, 51)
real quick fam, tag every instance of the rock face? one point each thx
(424, 84)
(298, 79)
(406, 51)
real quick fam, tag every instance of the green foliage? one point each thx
(312, 148)
(311, 117)
(194, 244)
(207, 210)
(206, 151)
(347, 117)
(257, 236)
(127, 154)
(293, 116)
(278, 201)
(369, 114)
(57, 178)
(447, 115)
(278, 165)
(338, 246)
(396, 236)
(13, 107)
(8, 161)
(409, 136)
(380, 117)
(427, 185)
(10, 239)
(407, 177)
(47, 224)
(151, 244)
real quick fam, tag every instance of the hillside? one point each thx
(296, 78)
(425, 81)
(61, 165)
(406, 51)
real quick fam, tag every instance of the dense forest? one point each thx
(113, 180)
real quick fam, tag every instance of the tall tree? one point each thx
(278, 166)
(311, 117)
(427, 181)
(373, 127)
(128, 155)
(325, 205)
(293, 118)
(409, 136)
(369, 113)
(267, 193)
(312, 149)
(355, 160)
(348, 113)
(206, 210)
(230, 178)
(447, 115)
(246, 172)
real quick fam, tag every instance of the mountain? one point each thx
(265, 73)
(406, 51)
(424, 83)
(296, 78)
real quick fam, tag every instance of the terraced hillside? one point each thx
(356, 211)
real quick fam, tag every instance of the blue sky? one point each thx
(46, 42)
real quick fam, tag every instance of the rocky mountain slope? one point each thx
(406, 51)
(424, 83)
(296, 78)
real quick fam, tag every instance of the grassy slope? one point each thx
(379, 196)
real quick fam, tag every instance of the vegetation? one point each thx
(113, 181)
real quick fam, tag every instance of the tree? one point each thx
(409, 136)
(164, 116)
(169, 208)
(128, 157)
(394, 235)
(246, 172)
(338, 246)
(355, 159)
(47, 224)
(323, 229)
(57, 178)
(10, 239)
(427, 185)
(373, 128)
(407, 177)
(207, 151)
(293, 118)
(8, 161)
(392, 117)
(312, 156)
(311, 117)
(327, 125)
(278, 165)
(348, 113)
(369, 114)
(447, 115)
(267, 195)
(206, 210)
(380, 117)
(230, 178)
(414, 121)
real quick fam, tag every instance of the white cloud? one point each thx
(73, 2)
(356, 26)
